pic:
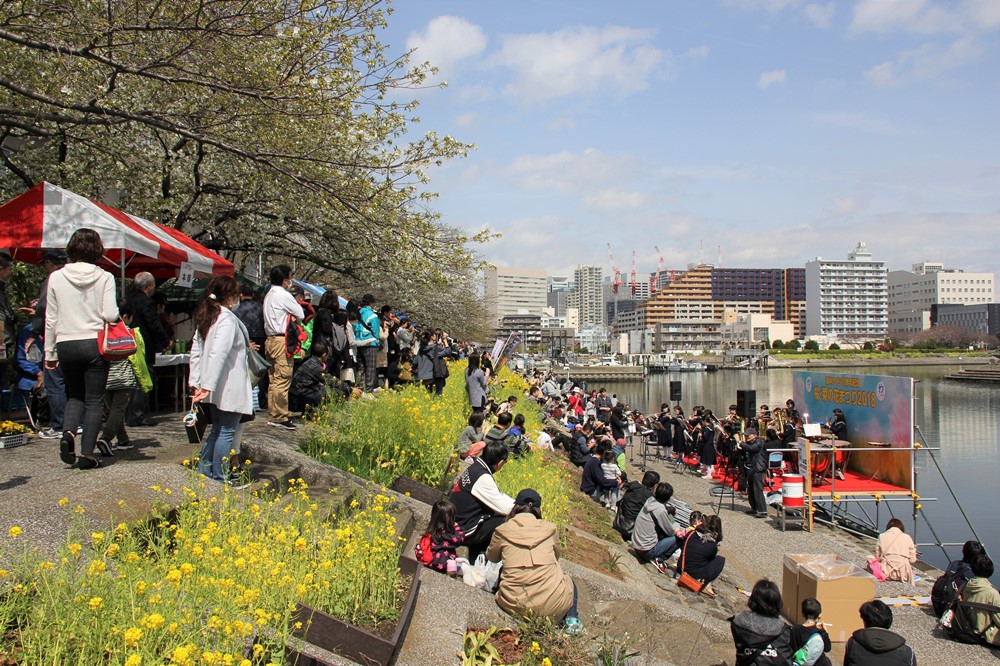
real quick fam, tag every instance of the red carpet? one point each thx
(852, 484)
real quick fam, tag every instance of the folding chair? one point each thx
(775, 463)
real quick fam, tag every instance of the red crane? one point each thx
(617, 280)
(655, 284)
(632, 275)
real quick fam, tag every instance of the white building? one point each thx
(511, 291)
(913, 292)
(847, 298)
(752, 330)
(588, 295)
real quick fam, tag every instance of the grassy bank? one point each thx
(410, 433)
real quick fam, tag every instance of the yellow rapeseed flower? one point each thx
(133, 660)
(14, 531)
(132, 636)
(95, 603)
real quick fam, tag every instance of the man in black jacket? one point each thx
(147, 319)
(757, 467)
(875, 645)
(632, 501)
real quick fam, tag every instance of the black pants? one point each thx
(479, 541)
(756, 492)
(86, 376)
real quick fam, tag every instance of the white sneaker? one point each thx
(49, 433)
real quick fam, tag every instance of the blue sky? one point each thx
(780, 130)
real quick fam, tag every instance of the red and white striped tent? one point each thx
(45, 217)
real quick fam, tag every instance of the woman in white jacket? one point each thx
(220, 376)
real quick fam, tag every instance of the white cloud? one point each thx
(772, 6)
(857, 121)
(768, 79)
(926, 62)
(613, 200)
(580, 60)
(445, 41)
(925, 16)
(820, 15)
(566, 171)
(697, 53)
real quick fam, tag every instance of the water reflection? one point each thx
(963, 420)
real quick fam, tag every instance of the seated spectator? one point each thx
(437, 545)
(471, 441)
(979, 590)
(533, 583)
(632, 501)
(875, 644)
(593, 482)
(896, 552)
(308, 387)
(517, 428)
(580, 447)
(810, 641)
(970, 551)
(653, 537)
(508, 407)
(761, 637)
(701, 557)
(480, 506)
(695, 518)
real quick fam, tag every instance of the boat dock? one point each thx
(983, 375)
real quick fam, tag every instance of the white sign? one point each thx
(186, 276)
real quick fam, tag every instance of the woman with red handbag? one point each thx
(80, 302)
(700, 558)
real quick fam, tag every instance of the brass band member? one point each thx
(839, 429)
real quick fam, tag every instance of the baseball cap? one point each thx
(529, 497)
(751, 431)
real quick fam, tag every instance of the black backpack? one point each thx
(961, 628)
(946, 590)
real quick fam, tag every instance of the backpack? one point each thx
(423, 550)
(946, 590)
(959, 625)
(295, 335)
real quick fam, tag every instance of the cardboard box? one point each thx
(841, 587)
(791, 605)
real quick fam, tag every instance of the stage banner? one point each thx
(879, 413)
(497, 346)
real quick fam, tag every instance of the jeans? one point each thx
(214, 459)
(55, 389)
(573, 612)
(86, 375)
(663, 549)
(118, 402)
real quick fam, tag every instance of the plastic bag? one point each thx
(483, 574)
(876, 568)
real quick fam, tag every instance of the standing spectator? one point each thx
(166, 318)
(79, 302)
(251, 313)
(366, 332)
(280, 308)
(124, 377)
(382, 355)
(8, 319)
(875, 644)
(603, 405)
(220, 376)
(761, 638)
(475, 384)
(145, 318)
(55, 387)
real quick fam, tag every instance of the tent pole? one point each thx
(122, 295)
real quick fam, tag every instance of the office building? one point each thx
(588, 295)
(511, 291)
(847, 298)
(913, 293)
(982, 319)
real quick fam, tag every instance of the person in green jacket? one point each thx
(979, 590)
(124, 377)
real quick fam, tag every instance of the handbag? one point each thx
(115, 341)
(687, 580)
(258, 366)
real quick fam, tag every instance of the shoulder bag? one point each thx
(115, 341)
(256, 363)
(687, 580)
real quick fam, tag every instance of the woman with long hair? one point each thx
(80, 300)
(475, 383)
(220, 376)
(700, 553)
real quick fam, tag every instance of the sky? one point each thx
(764, 133)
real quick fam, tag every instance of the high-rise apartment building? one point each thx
(913, 292)
(847, 298)
(511, 291)
(588, 295)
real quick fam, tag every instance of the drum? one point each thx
(841, 445)
(792, 486)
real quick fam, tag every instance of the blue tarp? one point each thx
(316, 290)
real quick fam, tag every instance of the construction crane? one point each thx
(617, 280)
(632, 275)
(655, 284)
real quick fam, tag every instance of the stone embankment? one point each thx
(666, 624)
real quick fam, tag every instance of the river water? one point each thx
(962, 419)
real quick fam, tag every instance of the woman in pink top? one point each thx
(896, 552)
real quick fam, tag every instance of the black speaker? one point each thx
(746, 403)
(675, 391)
